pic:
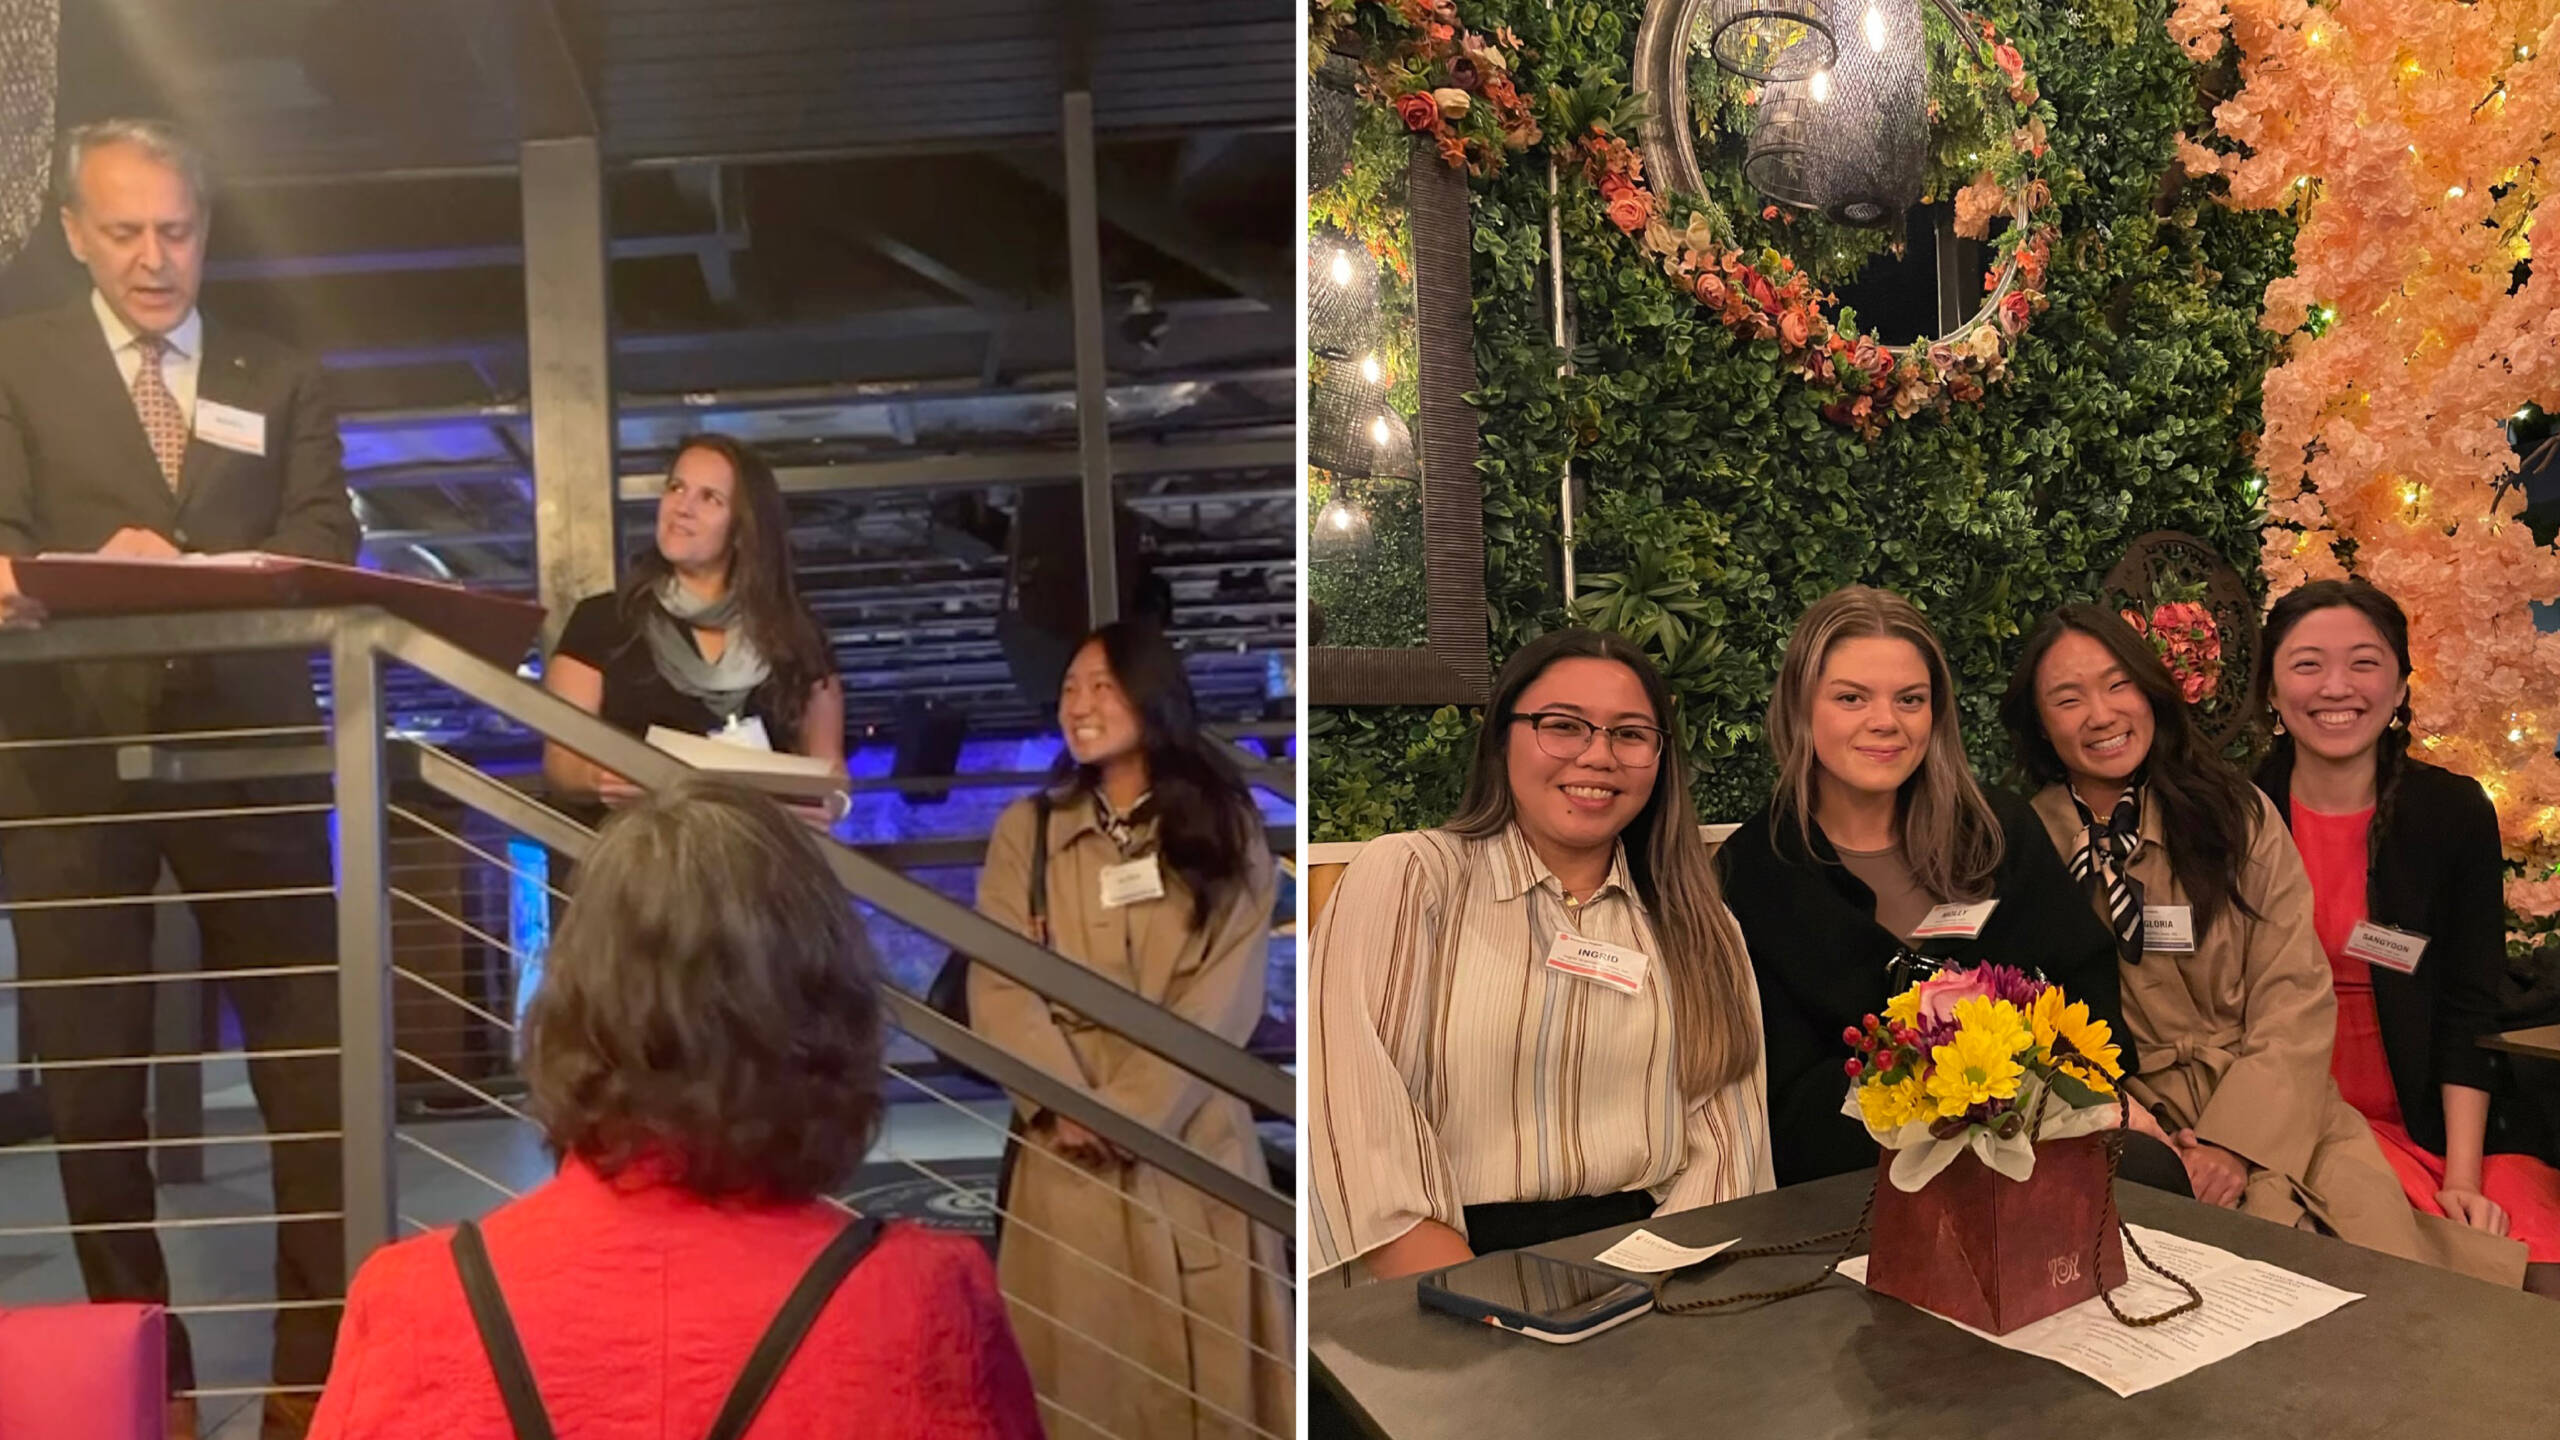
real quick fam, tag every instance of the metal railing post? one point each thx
(364, 939)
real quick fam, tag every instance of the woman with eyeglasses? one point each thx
(1879, 860)
(1536, 1020)
(2226, 991)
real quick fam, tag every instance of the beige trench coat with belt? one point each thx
(1131, 1292)
(2234, 1042)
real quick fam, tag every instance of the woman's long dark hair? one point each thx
(769, 603)
(1204, 813)
(2208, 810)
(1712, 1009)
(2391, 753)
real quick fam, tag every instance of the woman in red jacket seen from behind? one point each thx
(705, 1057)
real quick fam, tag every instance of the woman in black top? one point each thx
(1877, 830)
(707, 634)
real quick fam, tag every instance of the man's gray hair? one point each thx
(158, 139)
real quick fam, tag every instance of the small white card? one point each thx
(2169, 929)
(1649, 1254)
(233, 429)
(746, 732)
(1964, 922)
(1131, 881)
(2391, 949)
(1615, 966)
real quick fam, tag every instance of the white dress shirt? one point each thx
(179, 366)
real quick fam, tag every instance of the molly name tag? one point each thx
(1964, 922)
(2391, 949)
(1615, 966)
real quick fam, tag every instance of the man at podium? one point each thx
(132, 424)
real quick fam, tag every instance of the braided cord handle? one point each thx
(2115, 1221)
(1848, 1241)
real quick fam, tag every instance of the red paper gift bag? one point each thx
(1995, 1253)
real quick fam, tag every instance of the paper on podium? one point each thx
(2245, 1301)
(497, 628)
(796, 777)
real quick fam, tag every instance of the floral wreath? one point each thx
(1435, 79)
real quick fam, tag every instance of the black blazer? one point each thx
(1821, 961)
(75, 468)
(2441, 873)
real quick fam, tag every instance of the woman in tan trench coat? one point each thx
(1147, 1311)
(2226, 990)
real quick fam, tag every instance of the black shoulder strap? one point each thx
(1040, 868)
(498, 1336)
(774, 1351)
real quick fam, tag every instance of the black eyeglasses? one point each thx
(1567, 737)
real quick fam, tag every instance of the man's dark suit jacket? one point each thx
(75, 467)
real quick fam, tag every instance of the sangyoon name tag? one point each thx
(1131, 881)
(231, 428)
(1964, 922)
(2169, 929)
(2391, 949)
(1615, 966)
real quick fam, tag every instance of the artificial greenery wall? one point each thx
(1718, 503)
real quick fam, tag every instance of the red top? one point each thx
(637, 1305)
(2333, 851)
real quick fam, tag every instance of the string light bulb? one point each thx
(1379, 432)
(1342, 267)
(1338, 515)
(1819, 87)
(1371, 370)
(1874, 26)
(2453, 194)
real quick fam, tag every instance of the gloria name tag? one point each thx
(1964, 922)
(1131, 881)
(2391, 949)
(1615, 966)
(244, 431)
(2169, 929)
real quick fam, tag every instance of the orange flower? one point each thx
(1978, 204)
(1417, 110)
(2012, 64)
(1793, 328)
(1630, 210)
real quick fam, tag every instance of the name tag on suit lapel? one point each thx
(231, 428)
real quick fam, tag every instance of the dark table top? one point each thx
(2542, 1041)
(2426, 1353)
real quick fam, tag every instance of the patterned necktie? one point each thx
(2106, 851)
(162, 422)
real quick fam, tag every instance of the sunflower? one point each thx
(1977, 1066)
(2071, 1042)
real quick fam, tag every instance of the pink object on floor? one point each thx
(84, 1372)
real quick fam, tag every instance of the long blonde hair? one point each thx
(1712, 1009)
(1950, 837)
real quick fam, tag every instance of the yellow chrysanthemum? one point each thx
(1904, 1009)
(1889, 1107)
(2068, 1039)
(1997, 1021)
(1979, 1065)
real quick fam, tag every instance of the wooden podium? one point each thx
(497, 628)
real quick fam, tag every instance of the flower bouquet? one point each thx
(2188, 642)
(1988, 1090)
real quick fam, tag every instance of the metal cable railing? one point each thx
(432, 855)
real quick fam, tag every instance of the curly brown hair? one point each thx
(711, 1009)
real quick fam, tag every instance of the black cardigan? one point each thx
(1821, 960)
(2441, 872)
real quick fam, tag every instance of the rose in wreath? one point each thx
(2188, 642)
(1417, 110)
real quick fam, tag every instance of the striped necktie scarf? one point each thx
(2105, 857)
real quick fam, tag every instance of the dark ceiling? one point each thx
(839, 229)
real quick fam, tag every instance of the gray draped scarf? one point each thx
(723, 684)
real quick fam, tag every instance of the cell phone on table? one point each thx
(1556, 1301)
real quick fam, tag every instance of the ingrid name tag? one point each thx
(2391, 949)
(1964, 922)
(1132, 881)
(2169, 929)
(1615, 966)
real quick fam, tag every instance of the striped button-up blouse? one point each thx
(1448, 1066)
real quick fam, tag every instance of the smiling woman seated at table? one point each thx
(1538, 1019)
(1876, 830)
(2226, 989)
